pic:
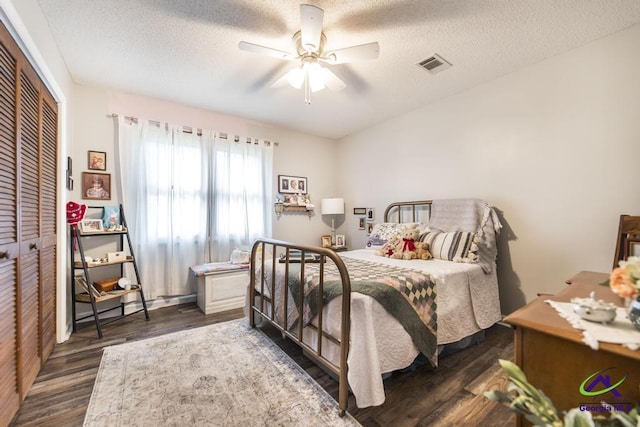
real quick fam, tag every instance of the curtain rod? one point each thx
(189, 129)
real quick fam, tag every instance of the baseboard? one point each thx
(161, 302)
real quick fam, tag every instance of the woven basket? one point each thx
(106, 285)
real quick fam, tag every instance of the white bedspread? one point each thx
(467, 301)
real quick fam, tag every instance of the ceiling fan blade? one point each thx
(311, 27)
(353, 53)
(332, 81)
(262, 50)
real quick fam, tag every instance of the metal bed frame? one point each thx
(320, 255)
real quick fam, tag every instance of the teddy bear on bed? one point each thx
(406, 248)
(422, 250)
(389, 247)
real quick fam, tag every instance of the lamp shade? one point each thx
(332, 206)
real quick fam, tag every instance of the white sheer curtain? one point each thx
(189, 198)
(241, 183)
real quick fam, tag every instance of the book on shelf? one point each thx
(89, 289)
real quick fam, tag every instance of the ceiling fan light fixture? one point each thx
(310, 75)
(316, 83)
(296, 77)
(324, 75)
(315, 75)
(309, 41)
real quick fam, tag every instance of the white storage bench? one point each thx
(221, 286)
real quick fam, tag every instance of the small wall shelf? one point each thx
(281, 208)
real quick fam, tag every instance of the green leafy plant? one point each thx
(537, 408)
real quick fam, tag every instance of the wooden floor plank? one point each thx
(448, 395)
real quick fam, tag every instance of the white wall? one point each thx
(554, 147)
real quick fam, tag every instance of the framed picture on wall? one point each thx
(369, 228)
(371, 213)
(359, 211)
(292, 184)
(98, 160)
(96, 186)
(361, 223)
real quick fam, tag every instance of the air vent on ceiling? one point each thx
(434, 64)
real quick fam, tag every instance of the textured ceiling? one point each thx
(187, 51)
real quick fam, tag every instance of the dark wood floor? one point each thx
(449, 395)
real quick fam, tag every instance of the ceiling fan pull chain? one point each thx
(307, 88)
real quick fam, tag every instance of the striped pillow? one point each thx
(450, 246)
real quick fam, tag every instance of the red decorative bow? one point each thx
(408, 245)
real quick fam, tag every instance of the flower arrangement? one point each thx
(537, 408)
(625, 279)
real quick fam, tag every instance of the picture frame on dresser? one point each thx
(326, 241)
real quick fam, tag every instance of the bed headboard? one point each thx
(418, 211)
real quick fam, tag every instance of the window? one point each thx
(194, 197)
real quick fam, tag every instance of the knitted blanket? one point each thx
(472, 215)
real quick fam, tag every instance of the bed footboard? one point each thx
(282, 256)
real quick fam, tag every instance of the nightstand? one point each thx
(340, 248)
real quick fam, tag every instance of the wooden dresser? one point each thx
(556, 360)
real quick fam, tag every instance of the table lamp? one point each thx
(332, 206)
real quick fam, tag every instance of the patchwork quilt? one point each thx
(408, 295)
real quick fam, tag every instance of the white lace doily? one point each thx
(620, 331)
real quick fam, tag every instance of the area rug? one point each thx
(225, 374)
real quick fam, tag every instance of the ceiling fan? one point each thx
(309, 42)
